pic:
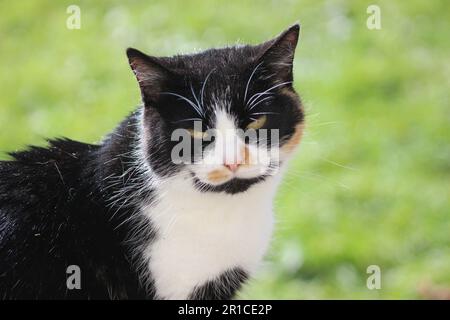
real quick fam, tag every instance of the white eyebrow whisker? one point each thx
(250, 79)
(260, 113)
(203, 87)
(195, 97)
(188, 119)
(256, 102)
(192, 104)
(257, 95)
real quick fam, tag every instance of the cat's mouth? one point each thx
(231, 186)
(214, 177)
(222, 181)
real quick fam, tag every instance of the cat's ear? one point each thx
(150, 74)
(278, 54)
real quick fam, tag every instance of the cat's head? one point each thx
(224, 118)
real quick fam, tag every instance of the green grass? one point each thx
(370, 184)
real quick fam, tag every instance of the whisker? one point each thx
(203, 87)
(248, 82)
(260, 101)
(188, 119)
(257, 95)
(337, 164)
(195, 97)
(260, 113)
(322, 124)
(192, 104)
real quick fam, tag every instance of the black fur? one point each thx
(231, 187)
(54, 212)
(73, 203)
(223, 287)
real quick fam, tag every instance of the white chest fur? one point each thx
(201, 235)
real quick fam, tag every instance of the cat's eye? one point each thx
(196, 134)
(258, 123)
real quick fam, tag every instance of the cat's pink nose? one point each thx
(231, 166)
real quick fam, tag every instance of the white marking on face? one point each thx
(229, 156)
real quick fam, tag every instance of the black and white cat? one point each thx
(137, 223)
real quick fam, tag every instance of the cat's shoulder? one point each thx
(62, 149)
(43, 172)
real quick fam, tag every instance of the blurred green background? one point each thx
(370, 184)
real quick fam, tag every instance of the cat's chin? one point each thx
(232, 186)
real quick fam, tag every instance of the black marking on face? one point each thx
(233, 186)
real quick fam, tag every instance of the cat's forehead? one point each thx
(226, 63)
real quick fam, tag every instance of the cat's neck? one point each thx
(120, 170)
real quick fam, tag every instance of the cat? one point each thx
(136, 222)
